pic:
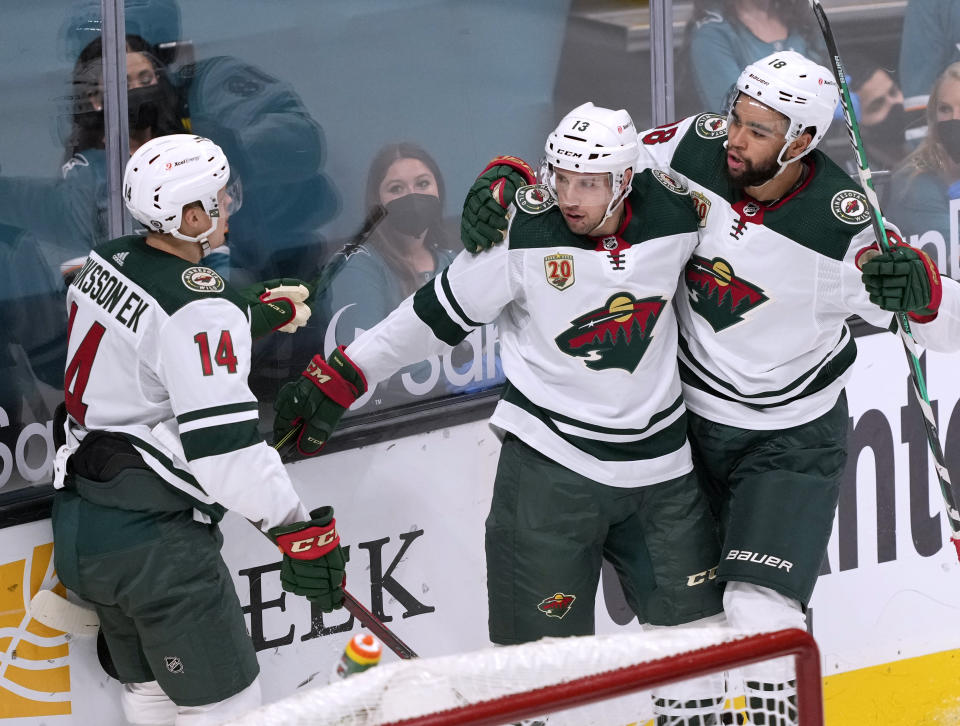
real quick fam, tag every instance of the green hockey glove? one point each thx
(902, 280)
(318, 398)
(282, 304)
(314, 564)
(484, 220)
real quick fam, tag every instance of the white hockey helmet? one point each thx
(591, 139)
(803, 91)
(169, 172)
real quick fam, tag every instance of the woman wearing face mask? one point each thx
(406, 249)
(74, 206)
(924, 185)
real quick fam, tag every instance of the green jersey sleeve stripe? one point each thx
(216, 411)
(212, 509)
(664, 442)
(451, 298)
(429, 309)
(216, 440)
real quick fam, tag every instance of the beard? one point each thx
(752, 176)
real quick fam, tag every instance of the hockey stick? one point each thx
(909, 345)
(330, 270)
(352, 246)
(357, 609)
(55, 611)
(372, 623)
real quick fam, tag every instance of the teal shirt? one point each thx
(919, 203)
(721, 48)
(368, 285)
(930, 40)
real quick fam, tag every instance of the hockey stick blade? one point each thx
(372, 623)
(55, 611)
(909, 348)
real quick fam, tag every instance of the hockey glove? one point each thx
(903, 280)
(484, 220)
(282, 304)
(314, 564)
(318, 398)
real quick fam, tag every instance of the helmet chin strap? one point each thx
(201, 239)
(615, 201)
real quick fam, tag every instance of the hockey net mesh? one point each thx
(633, 677)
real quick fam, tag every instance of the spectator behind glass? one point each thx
(930, 42)
(406, 249)
(69, 214)
(724, 36)
(878, 105)
(929, 178)
(274, 145)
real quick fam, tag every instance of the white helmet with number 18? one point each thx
(792, 84)
(169, 172)
(592, 140)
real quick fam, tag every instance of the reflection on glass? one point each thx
(407, 249)
(723, 36)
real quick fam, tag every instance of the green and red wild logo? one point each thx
(717, 294)
(615, 335)
(557, 605)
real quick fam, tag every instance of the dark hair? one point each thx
(795, 14)
(87, 127)
(383, 239)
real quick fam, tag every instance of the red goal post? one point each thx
(509, 684)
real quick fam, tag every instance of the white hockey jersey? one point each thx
(587, 333)
(763, 338)
(159, 350)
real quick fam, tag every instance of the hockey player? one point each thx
(595, 461)
(162, 439)
(764, 347)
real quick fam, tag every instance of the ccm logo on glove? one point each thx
(309, 543)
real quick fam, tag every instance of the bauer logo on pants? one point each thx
(557, 605)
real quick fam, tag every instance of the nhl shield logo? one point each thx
(850, 207)
(559, 270)
(557, 605)
(173, 664)
(710, 126)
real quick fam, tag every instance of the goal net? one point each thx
(671, 677)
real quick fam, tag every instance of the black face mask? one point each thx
(889, 134)
(413, 213)
(949, 133)
(144, 106)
